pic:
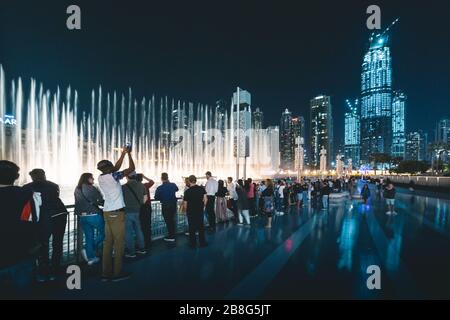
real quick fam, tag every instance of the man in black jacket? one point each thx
(18, 234)
(52, 223)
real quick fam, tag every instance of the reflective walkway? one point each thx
(306, 254)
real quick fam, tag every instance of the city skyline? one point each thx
(182, 74)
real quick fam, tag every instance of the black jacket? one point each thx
(51, 203)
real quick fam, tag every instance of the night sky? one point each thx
(284, 54)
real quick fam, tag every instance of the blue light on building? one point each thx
(398, 125)
(352, 140)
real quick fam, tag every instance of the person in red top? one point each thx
(145, 216)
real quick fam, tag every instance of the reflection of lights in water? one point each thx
(288, 245)
(347, 242)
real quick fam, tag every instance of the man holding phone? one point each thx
(114, 215)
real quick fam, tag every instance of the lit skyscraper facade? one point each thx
(443, 131)
(376, 98)
(398, 125)
(416, 146)
(287, 147)
(257, 119)
(321, 129)
(352, 139)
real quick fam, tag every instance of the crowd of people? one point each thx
(116, 218)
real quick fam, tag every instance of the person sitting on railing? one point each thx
(114, 215)
(18, 233)
(52, 222)
(87, 201)
(135, 196)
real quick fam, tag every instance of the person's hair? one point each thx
(269, 183)
(240, 183)
(221, 184)
(230, 179)
(37, 175)
(84, 179)
(192, 179)
(140, 177)
(249, 180)
(186, 181)
(164, 176)
(9, 172)
(104, 165)
(208, 173)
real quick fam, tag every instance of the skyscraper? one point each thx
(352, 139)
(257, 119)
(376, 97)
(321, 129)
(416, 146)
(287, 156)
(443, 131)
(398, 125)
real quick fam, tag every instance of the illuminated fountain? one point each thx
(53, 131)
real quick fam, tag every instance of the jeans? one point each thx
(16, 280)
(244, 214)
(325, 200)
(114, 241)
(94, 233)
(132, 227)
(195, 221)
(169, 211)
(279, 203)
(145, 217)
(305, 196)
(54, 227)
(210, 206)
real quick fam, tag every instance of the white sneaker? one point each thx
(93, 261)
(186, 233)
(394, 213)
(388, 213)
(84, 255)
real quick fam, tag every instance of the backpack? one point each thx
(269, 206)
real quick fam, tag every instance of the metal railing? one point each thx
(73, 238)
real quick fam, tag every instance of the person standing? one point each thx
(267, 197)
(145, 214)
(221, 202)
(87, 201)
(231, 186)
(166, 194)
(389, 195)
(194, 202)
(211, 188)
(365, 193)
(19, 241)
(52, 223)
(243, 203)
(114, 215)
(325, 193)
(281, 202)
(250, 187)
(134, 195)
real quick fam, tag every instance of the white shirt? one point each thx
(211, 187)
(112, 191)
(232, 190)
(281, 191)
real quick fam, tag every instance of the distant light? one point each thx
(380, 41)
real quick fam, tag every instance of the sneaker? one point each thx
(123, 276)
(388, 213)
(131, 256)
(93, 261)
(141, 251)
(105, 278)
(240, 224)
(394, 213)
(186, 233)
(169, 239)
(84, 255)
